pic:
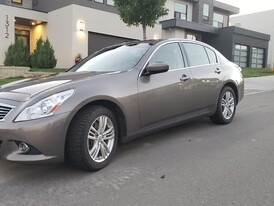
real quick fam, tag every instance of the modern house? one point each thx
(84, 26)
(264, 25)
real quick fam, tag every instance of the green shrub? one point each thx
(43, 56)
(17, 54)
(9, 56)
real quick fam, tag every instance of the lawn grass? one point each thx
(254, 72)
(48, 70)
(11, 79)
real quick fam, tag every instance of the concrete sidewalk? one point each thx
(259, 84)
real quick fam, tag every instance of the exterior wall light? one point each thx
(156, 37)
(81, 26)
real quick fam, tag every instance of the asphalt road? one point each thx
(198, 163)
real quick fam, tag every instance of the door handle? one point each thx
(184, 78)
(218, 71)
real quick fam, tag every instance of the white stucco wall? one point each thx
(13, 12)
(68, 41)
(261, 22)
(61, 29)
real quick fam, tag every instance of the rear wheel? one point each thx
(226, 107)
(92, 138)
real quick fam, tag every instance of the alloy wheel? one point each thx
(228, 105)
(100, 139)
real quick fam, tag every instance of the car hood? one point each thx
(24, 89)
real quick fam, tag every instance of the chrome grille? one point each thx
(4, 110)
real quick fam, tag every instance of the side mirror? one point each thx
(156, 68)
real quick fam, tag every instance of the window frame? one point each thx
(218, 22)
(204, 47)
(99, 1)
(240, 50)
(181, 13)
(216, 56)
(180, 49)
(107, 2)
(206, 13)
(142, 71)
(257, 58)
(20, 2)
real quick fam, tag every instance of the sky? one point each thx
(250, 6)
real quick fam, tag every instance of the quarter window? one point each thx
(211, 55)
(240, 55)
(180, 11)
(196, 54)
(257, 58)
(169, 54)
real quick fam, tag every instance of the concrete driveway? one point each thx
(259, 84)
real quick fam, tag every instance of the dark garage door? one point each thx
(98, 41)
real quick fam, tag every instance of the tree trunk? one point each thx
(144, 32)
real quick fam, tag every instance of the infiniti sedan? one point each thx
(115, 95)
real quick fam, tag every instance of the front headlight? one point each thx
(44, 108)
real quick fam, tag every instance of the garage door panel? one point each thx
(98, 41)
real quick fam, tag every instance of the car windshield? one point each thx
(116, 59)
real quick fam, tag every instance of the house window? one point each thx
(191, 37)
(206, 12)
(218, 20)
(180, 11)
(240, 55)
(24, 35)
(99, 1)
(16, 1)
(257, 58)
(110, 2)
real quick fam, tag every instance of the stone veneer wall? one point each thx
(6, 72)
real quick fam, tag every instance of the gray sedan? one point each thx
(115, 95)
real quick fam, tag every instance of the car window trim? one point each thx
(187, 57)
(205, 47)
(149, 58)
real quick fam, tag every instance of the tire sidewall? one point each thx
(90, 163)
(226, 89)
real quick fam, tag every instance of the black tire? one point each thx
(78, 145)
(220, 116)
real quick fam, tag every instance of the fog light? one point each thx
(23, 147)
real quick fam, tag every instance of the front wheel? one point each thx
(226, 107)
(92, 138)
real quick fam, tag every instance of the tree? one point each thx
(17, 54)
(141, 12)
(43, 56)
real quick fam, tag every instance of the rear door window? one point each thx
(196, 54)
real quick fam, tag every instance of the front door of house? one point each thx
(24, 35)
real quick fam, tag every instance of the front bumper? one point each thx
(46, 138)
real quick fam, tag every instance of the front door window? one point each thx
(24, 35)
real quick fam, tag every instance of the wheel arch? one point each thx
(117, 111)
(234, 87)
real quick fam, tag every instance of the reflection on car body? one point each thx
(117, 94)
